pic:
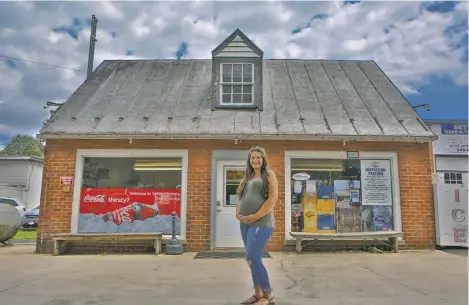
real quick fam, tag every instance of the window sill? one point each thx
(234, 107)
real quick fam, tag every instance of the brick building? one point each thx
(350, 153)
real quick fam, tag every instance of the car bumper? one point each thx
(29, 223)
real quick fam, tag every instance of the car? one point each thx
(14, 202)
(30, 219)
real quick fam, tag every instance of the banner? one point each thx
(376, 182)
(452, 139)
(128, 210)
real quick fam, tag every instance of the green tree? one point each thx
(23, 145)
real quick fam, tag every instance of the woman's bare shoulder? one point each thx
(271, 174)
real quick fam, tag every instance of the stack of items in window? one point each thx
(334, 206)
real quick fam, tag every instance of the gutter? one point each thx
(235, 137)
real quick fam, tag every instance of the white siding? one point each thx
(237, 48)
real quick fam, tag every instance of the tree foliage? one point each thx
(23, 145)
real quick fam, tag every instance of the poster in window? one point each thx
(124, 210)
(376, 182)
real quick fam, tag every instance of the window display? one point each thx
(342, 196)
(130, 195)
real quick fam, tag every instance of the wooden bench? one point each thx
(391, 236)
(61, 240)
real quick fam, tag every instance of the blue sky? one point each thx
(421, 46)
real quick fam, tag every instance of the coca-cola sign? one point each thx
(102, 201)
(95, 198)
(129, 210)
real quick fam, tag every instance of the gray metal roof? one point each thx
(302, 99)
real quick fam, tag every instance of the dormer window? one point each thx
(237, 84)
(237, 74)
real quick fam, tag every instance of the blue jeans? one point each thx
(255, 240)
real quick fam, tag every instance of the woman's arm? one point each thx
(272, 198)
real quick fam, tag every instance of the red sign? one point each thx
(116, 203)
(66, 180)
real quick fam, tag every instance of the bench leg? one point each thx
(394, 244)
(298, 245)
(56, 247)
(157, 244)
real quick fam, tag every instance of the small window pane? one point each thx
(226, 88)
(237, 89)
(247, 69)
(227, 69)
(237, 69)
(247, 98)
(226, 98)
(453, 176)
(459, 176)
(247, 89)
(226, 78)
(237, 78)
(247, 78)
(236, 98)
(446, 176)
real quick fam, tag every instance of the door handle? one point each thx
(219, 210)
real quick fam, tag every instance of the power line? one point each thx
(39, 63)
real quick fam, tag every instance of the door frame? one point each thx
(218, 156)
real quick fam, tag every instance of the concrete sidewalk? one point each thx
(406, 278)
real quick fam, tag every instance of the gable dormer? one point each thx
(237, 73)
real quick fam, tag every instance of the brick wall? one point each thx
(415, 168)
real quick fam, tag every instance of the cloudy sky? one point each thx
(422, 46)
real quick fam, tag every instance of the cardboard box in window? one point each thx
(325, 206)
(326, 223)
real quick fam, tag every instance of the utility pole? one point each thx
(93, 39)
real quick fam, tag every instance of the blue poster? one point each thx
(454, 129)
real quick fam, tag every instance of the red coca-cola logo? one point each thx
(95, 198)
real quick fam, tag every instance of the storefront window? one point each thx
(130, 195)
(341, 196)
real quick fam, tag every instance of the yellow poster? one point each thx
(310, 221)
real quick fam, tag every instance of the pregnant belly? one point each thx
(250, 207)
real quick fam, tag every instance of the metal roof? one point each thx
(302, 99)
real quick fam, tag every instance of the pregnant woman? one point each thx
(257, 193)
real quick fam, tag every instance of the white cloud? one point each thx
(409, 44)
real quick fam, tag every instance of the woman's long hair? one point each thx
(249, 172)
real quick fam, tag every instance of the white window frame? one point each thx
(342, 155)
(236, 83)
(129, 153)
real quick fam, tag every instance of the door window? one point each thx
(453, 178)
(233, 177)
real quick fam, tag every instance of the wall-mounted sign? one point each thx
(66, 180)
(376, 182)
(353, 155)
(452, 139)
(301, 176)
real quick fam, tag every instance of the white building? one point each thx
(450, 181)
(21, 178)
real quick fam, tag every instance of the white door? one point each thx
(229, 175)
(451, 209)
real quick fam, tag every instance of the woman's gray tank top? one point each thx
(252, 201)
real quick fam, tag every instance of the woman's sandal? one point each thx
(251, 300)
(270, 301)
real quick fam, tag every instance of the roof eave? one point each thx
(234, 136)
